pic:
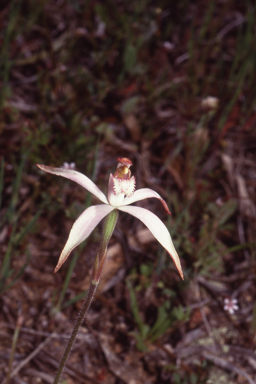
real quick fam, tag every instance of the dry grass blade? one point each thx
(31, 356)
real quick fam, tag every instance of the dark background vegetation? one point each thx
(89, 81)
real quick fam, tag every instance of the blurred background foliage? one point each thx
(170, 85)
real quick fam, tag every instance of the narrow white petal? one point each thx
(158, 229)
(82, 228)
(142, 194)
(78, 177)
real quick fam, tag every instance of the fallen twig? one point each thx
(222, 363)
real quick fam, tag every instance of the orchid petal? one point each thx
(78, 177)
(157, 228)
(114, 199)
(142, 194)
(82, 228)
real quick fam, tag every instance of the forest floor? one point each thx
(172, 88)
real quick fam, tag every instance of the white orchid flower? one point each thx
(121, 193)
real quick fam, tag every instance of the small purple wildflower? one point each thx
(68, 166)
(230, 305)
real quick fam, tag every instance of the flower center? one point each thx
(123, 182)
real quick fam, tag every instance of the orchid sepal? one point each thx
(145, 193)
(158, 230)
(78, 177)
(82, 228)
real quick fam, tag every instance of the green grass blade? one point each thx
(1, 182)
(27, 229)
(18, 275)
(135, 308)
(5, 268)
(74, 299)
(17, 182)
(67, 280)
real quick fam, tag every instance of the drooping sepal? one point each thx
(82, 228)
(144, 193)
(158, 229)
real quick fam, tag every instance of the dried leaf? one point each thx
(246, 205)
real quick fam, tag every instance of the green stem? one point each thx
(108, 228)
(14, 344)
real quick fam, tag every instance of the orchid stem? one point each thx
(108, 228)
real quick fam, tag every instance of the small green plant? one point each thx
(166, 318)
(209, 248)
